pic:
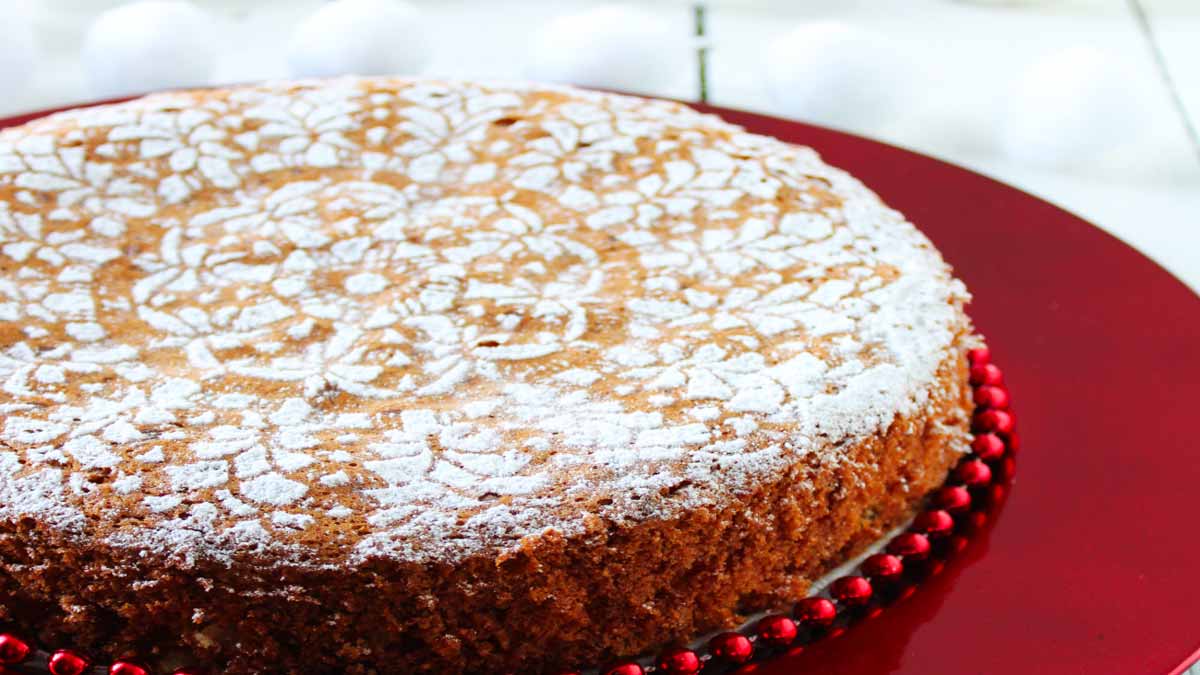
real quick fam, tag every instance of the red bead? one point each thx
(996, 494)
(980, 356)
(883, 567)
(679, 661)
(198, 671)
(127, 668)
(1006, 469)
(815, 613)
(989, 396)
(934, 568)
(998, 421)
(910, 545)
(935, 523)
(851, 591)
(952, 499)
(625, 668)
(973, 521)
(13, 650)
(776, 630)
(988, 446)
(956, 544)
(973, 473)
(731, 647)
(67, 662)
(986, 373)
(1014, 442)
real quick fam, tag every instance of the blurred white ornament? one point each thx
(839, 75)
(17, 58)
(612, 47)
(1075, 107)
(149, 45)
(361, 37)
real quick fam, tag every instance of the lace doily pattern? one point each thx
(420, 319)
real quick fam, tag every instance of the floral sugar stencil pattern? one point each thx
(424, 308)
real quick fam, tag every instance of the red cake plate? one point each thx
(1090, 564)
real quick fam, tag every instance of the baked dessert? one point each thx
(401, 376)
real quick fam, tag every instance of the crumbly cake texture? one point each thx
(351, 344)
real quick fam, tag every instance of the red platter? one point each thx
(1091, 567)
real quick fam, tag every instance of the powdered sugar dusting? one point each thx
(442, 316)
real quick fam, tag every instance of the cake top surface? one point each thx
(421, 319)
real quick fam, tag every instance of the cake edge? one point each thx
(554, 602)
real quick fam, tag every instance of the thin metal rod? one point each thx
(1160, 62)
(700, 18)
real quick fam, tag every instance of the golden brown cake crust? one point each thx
(554, 603)
(415, 375)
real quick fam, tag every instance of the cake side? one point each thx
(554, 603)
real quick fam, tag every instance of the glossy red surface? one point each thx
(1090, 566)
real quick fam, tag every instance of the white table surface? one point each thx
(1153, 203)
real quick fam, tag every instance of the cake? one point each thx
(413, 376)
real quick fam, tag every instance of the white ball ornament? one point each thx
(360, 37)
(612, 47)
(839, 75)
(17, 53)
(1077, 107)
(148, 45)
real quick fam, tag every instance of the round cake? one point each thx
(412, 376)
